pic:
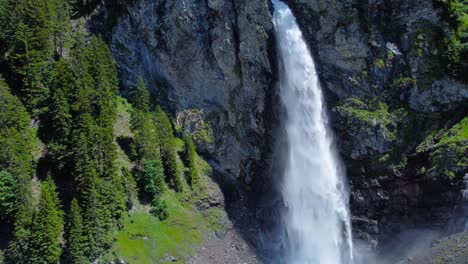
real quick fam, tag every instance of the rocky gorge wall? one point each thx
(399, 118)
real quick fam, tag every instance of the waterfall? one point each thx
(317, 219)
(459, 222)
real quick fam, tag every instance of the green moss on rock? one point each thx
(374, 114)
(192, 122)
(448, 151)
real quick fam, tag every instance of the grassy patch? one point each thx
(145, 239)
(122, 126)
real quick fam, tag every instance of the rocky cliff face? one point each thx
(211, 63)
(400, 119)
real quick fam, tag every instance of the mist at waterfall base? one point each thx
(316, 218)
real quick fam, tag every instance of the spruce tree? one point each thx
(168, 150)
(33, 54)
(16, 143)
(75, 234)
(47, 226)
(8, 187)
(140, 96)
(190, 155)
(60, 28)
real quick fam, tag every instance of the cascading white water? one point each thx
(317, 219)
(459, 222)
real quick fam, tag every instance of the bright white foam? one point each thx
(317, 217)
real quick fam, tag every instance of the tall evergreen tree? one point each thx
(33, 54)
(60, 28)
(75, 234)
(47, 226)
(168, 150)
(190, 155)
(8, 187)
(16, 143)
(105, 87)
(9, 19)
(140, 96)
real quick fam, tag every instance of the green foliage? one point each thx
(130, 188)
(33, 54)
(140, 96)
(448, 151)
(456, 43)
(146, 135)
(192, 121)
(58, 12)
(75, 240)
(16, 143)
(145, 239)
(159, 209)
(16, 137)
(9, 18)
(190, 155)
(151, 177)
(380, 63)
(402, 82)
(8, 187)
(47, 226)
(168, 151)
(375, 113)
(458, 133)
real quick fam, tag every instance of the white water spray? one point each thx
(317, 218)
(459, 222)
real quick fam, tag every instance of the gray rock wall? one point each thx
(209, 57)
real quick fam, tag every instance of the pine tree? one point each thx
(75, 234)
(16, 142)
(33, 54)
(168, 150)
(105, 83)
(9, 19)
(60, 114)
(151, 177)
(140, 96)
(130, 187)
(190, 155)
(8, 187)
(47, 226)
(60, 28)
(146, 136)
